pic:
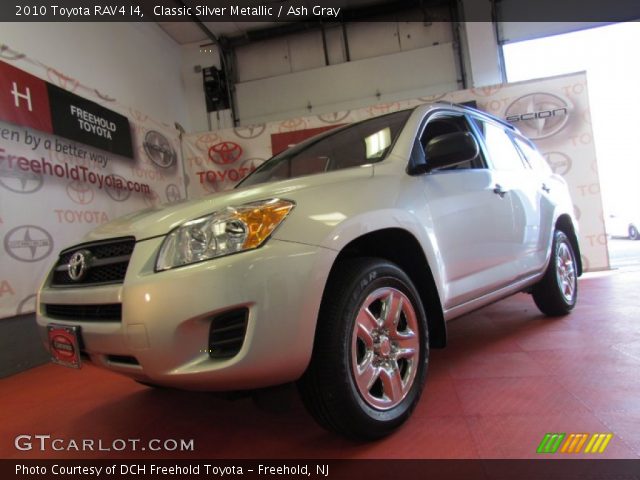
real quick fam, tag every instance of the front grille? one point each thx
(110, 312)
(227, 333)
(106, 262)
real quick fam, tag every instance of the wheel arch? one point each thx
(402, 248)
(565, 224)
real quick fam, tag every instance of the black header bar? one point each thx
(325, 11)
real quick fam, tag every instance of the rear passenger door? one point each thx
(518, 187)
(550, 188)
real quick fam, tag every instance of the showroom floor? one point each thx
(508, 377)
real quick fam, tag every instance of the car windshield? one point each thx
(351, 146)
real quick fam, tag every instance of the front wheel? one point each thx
(371, 351)
(557, 292)
(633, 233)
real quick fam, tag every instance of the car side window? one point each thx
(443, 124)
(500, 148)
(532, 155)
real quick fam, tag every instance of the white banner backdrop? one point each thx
(553, 112)
(53, 191)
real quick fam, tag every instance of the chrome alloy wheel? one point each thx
(566, 272)
(385, 348)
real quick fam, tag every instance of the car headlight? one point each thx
(227, 231)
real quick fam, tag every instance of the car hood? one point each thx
(153, 222)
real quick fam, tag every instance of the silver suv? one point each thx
(336, 264)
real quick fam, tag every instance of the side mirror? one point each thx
(451, 149)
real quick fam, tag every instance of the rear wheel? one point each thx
(633, 232)
(557, 292)
(371, 351)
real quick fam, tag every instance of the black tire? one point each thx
(557, 292)
(329, 387)
(633, 233)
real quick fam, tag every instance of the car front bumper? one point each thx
(163, 334)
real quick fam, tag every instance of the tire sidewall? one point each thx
(560, 238)
(379, 276)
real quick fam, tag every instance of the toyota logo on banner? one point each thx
(487, 91)
(335, 117)
(250, 131)
(159, 149)
(225, 153)
(80, 192)
(28, 243)
(539, 115)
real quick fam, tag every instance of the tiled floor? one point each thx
(508, 376)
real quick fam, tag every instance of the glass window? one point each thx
(533, 156)
(502, 152)
(358, 144)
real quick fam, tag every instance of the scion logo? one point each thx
(250, 131)
(335, 117)
(159, 149)
(224, 153)
(538, 115)
(80, 192)
(173, 193)
(28, 243)
(79, 264)
(559, 162)
(118, 194)
(19, 181)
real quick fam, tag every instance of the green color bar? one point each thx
(550, 443)
(558, 442)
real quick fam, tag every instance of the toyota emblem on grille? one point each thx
(78, 265)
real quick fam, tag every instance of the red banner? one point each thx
(24, 99)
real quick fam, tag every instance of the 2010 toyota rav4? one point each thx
(335, 264)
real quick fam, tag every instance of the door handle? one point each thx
(545, 188)
(498, 190)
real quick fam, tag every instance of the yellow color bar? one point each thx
(598, 443)
(607, 439)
